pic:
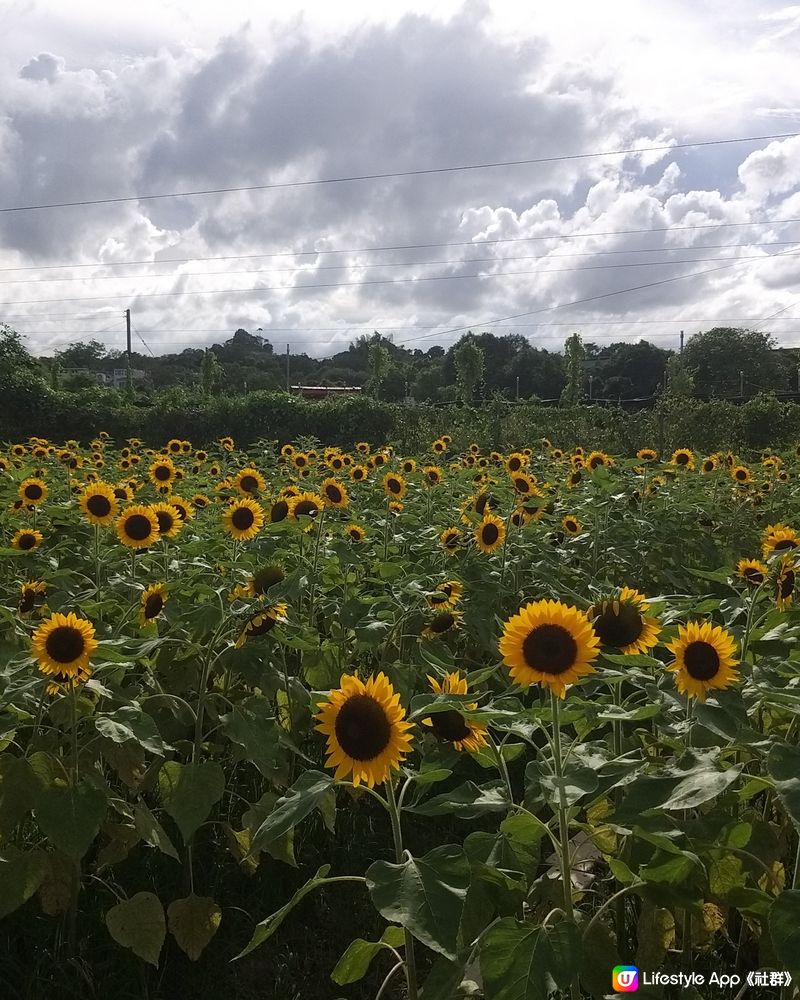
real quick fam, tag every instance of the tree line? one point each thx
(722, 361)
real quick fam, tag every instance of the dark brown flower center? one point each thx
(785, 543)
(489, 534)
(786, 584)
(243, 518)
(753, 575)
(618, 630)
(333, 493)
(441, 623)
(306, 507)
(153, 606)
(162, 473)
(165, 520)
(449, 726)
(279, 511)
(138, 527)
(98, 505)
(550, 649)
(249, 484)
(27, 540)
(682, 458)
(701, 660)
(362, 729)
(395, 486)
(267, 577)
(27, 600)
(64, 644)
(33, 491)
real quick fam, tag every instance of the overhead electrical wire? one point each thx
(282, 185)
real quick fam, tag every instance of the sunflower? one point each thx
(704, 659)
(27, 539)
(337, 463)
(741, 474)
(439, 446)
(63, 645)
(362, 447)
(550, 643)
(366, 729)
(30, 594)
(516, 461)
(334, 493)
(571, 525)
(152, 602)
(432, 475)
(262, 622)
(708, 465)
(778, 538)
(408, 466)
(523, 483)
(683, 458)
(597, 459)
(752, 571)
(446, 595)
(358, 473)
(355, 532)
(99, 504)
(243, 519)
(441, 623)
(451, 726)
(450, 539)
(227, 443)
(620, 622)
(184, 508)
(200, 500)
(785, 583)
(250, 482)
(647, 455)
(33, 491)
(169, 520)
(394, 485)
(162, 472)
(490, 533)
(305, 504)
(174, 446)
(137, 527)
(287, 450)
(123, 492)
(18, 450)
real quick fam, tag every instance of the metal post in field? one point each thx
(288, 387)
(128, 377)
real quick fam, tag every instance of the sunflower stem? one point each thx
(313, 594)
(386, 530)
(397, 836)
(505, 553)
(37, 722)
(97, 557)
(563, 823)
(502, 767)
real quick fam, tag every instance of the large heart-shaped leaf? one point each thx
(189, 791)
(784, 928)
(193, 922)
(70, 818)
(516, 961)
(21, 874)
(425, 895)
(18, 790)
(783, 766)
(138, 923)
(130, 724)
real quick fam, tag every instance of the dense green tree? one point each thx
(469, 363)
(574, 363)
(718, 355)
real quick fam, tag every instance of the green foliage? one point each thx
(574, 362)
(468, 358)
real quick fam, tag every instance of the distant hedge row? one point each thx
(34, 408)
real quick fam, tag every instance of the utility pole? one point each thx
(288, 387)
(681, 341)
(741, 383)
(128, 376)
(591, 379)
(798, 378)
(517, 388)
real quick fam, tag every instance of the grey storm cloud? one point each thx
(418, 93)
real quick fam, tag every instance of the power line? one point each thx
(401, 173)
(430, 246)
(417, 263)
(361, 284)
(590, 298)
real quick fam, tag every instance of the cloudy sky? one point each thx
(103, 101)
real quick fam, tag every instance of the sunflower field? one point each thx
(299, 721)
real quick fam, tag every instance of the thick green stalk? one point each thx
(397, 836)
(563, 823)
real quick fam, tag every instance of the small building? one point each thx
(322, 391)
